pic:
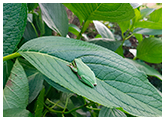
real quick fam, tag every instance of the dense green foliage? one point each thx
(39, 42)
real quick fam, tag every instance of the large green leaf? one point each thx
(145, 68)
(111, 112)
(150, 50)
(113, 12)
(119, 84)
(16, 112)
(16, 91)
(149, 24)
(55, 16)
(145, 12)
(156, 16)
(14, 23)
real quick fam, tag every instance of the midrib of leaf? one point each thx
(94, 11)
(79, 92)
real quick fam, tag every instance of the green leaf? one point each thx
(134, 5)
(147, 11)
(74, 29)
(32, 6)
(113, 12)
(111, 112)
(124, 26)
(150, 50)
(103, 30)
(56, 85)
(16, 112)
(7, 66)
(40, 104)
(38, 22)
(139, 37)
(29, 32)
(35, 79)
(146, 31)
(156, 16)
(107, 43)
(55, 16)
(14, 23)
(16, 91)
(119, 50)
(148, 24)
(145, 68)
(119, 84)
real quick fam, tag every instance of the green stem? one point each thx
(55, 103)
(134, 58)
(52, 110)
(55, 111)
(67, 99)
(77, 108)
(11, 56)
(127, 38)
(34, 29)
(92, 108)
(85, 26)
(44, 113)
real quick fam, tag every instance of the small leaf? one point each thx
(124, 26)
(113, 12)
(16, 112)
(134, 5)
(40, 104)
(103, 30)
(16, 91)
(146, 31)
(74, 29)
(14, 23)
(111, 112)
(119, 83)
(107, 43)
(145, 68)
(119, 50)
(139, 37)
(55, 16)
(147, 11)
(150, 50)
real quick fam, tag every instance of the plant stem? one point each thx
(134, 58)
(52, 110)
(11, 56)
(92, 108)
(127, 38)
(55, 111)
(77, 108)
(54, 104)
(85, 26)
(67, 99)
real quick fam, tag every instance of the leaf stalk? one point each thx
(11, 56)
